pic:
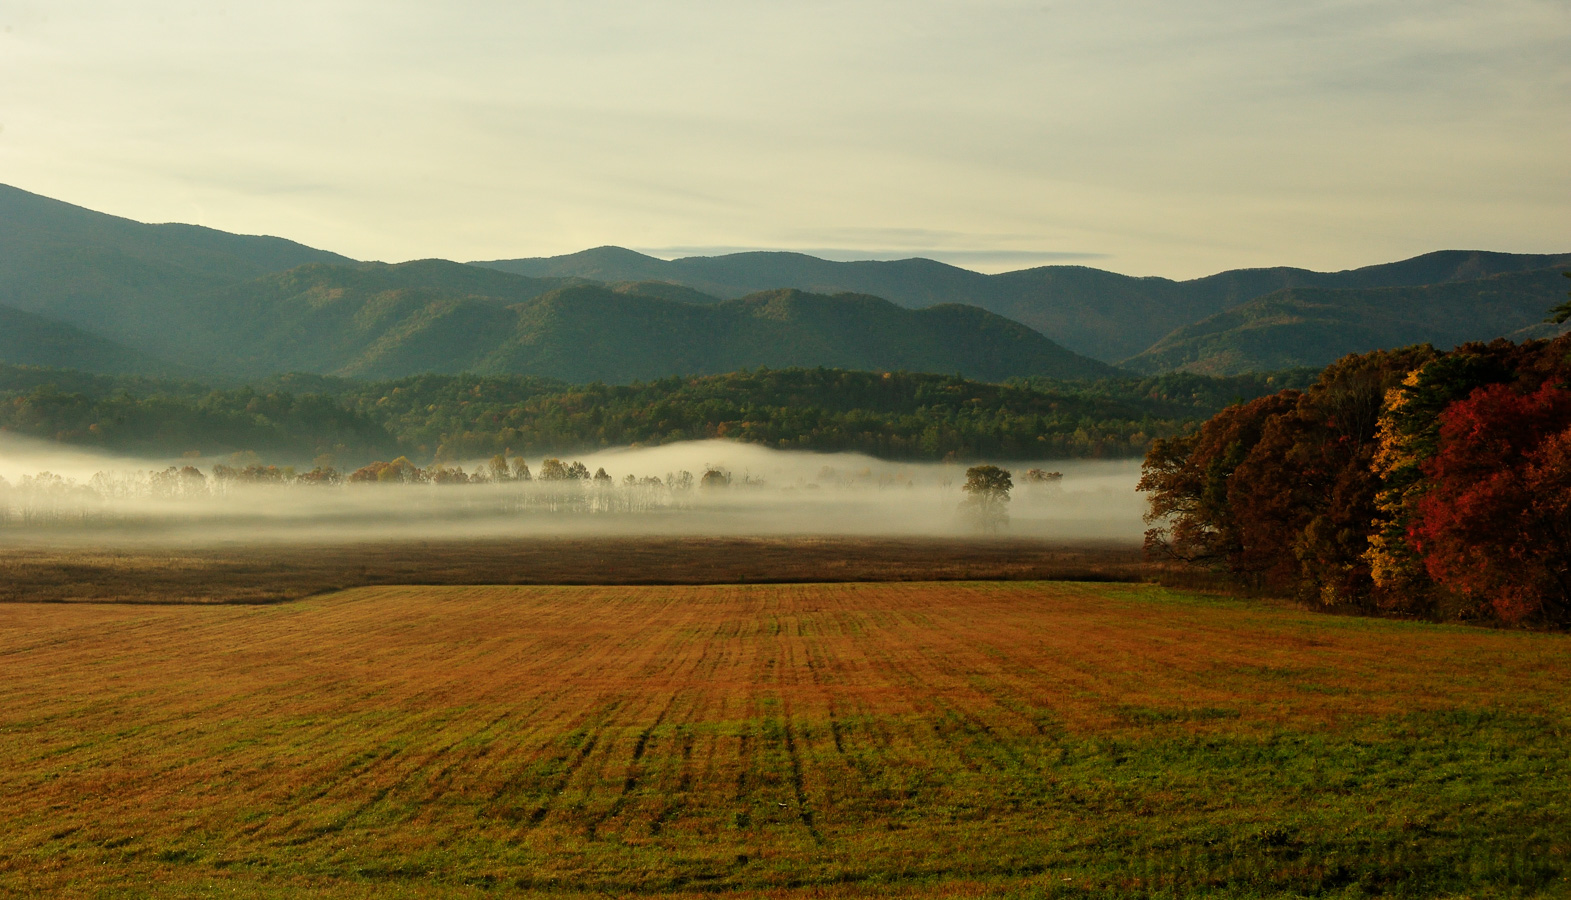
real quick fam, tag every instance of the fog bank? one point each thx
(752, 491)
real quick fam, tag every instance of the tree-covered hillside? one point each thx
(160, 298)
(32, 340)
(123, 280)
(373, 320)
(299, 419)
(1317, 326)
(1101, 314)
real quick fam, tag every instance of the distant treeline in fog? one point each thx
(140, 496)
(327, 421)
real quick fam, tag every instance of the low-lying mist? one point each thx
(702, 488)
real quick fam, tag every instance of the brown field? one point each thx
(139, 572)
(960, 739)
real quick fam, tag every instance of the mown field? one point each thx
(954, 739)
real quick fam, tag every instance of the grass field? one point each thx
(956, 739)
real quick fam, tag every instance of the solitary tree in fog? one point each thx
(987, 496)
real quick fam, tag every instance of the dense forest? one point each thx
(1414, 481)
(897, 415)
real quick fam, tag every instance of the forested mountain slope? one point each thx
(381, 321)
(1317, 326)
(238, 306)
(124, 280)
(1100, 314)
(31, 340)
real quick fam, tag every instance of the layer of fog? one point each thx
(769, 493)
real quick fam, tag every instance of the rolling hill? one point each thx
(380, 321)
(32, 340)
(1101, 314)
(124, 280)
(242, 306)
(1316, 326)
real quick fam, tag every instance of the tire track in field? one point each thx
(676, 799)
(566, 764)
(645, 660)
(672, 665)
(790, 673)
(987, 685)
(865, 744)
(631, 780)
(922, 694)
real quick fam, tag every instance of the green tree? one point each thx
(987, 496)
(1559, 314)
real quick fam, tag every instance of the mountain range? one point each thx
(373, 320)
(81, 289)
(1308, 325)
(1104, 315)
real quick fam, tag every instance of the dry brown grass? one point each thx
(164, 573)
(955, 739)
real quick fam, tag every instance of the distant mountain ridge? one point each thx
(1102, 314)
(124, 280)
(86, 290)
(1315, 326)
(374, 320)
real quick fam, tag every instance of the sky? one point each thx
(1145, 137)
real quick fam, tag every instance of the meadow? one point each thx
(781, 740)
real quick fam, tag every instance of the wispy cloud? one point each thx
(1173, 139)
(980, 260)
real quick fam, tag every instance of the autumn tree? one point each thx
(1408, 438)
(499, 469)
(1188, 480)
(399, 471)
(321, 475)
(1493, 524)
(1279, 491)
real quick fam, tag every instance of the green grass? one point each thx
(804, 740)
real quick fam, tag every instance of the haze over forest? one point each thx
(976, 275)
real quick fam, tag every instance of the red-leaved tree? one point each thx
(1493, 525)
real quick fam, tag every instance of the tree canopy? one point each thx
(1413, 481)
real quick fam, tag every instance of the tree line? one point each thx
(1414, 481)
(325, 421)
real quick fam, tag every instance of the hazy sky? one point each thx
(1146, 137)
